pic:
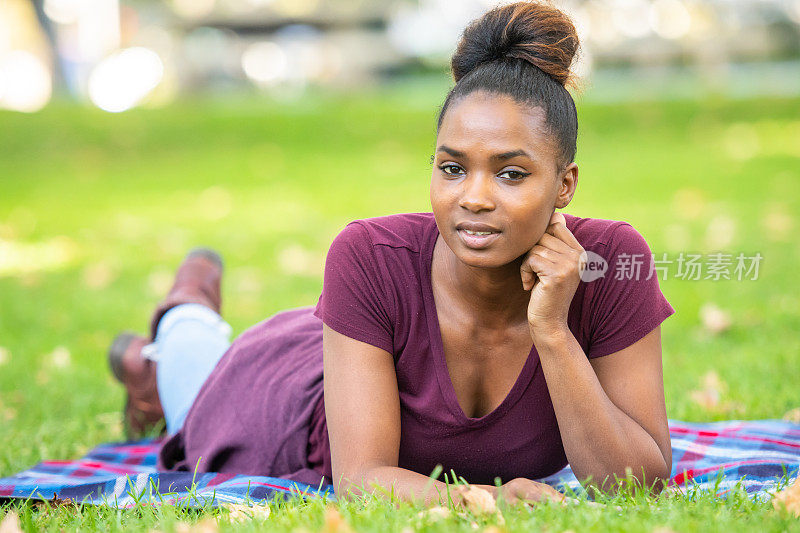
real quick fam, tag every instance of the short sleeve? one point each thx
(353, 300)
(626, 303)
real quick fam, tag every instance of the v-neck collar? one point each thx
(437, 345)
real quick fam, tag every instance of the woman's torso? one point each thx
(496, 378)
(484, 349)
(486, 412)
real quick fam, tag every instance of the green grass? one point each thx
(96, 211)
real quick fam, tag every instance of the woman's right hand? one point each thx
(525, 490)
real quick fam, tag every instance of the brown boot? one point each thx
(197, 281)
(143, 412)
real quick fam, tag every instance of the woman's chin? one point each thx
(483, 258)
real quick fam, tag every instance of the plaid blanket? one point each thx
(716, 456)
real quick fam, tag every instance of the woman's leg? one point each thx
(190, 344)
(190, 340)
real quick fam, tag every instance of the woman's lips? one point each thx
(477, 242)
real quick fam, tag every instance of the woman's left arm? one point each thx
(610, 410)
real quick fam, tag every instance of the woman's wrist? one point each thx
(549, 333)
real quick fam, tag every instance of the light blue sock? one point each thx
(190, 340)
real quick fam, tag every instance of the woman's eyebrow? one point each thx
(452, 151)
(508, 155)
(502, 156)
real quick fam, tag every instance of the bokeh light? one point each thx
(631, 17)
(670, 19)
(265, 63)
(193, 9)
(62, 11)
(124, 79)
(25, 82)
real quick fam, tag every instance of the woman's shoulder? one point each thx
(402, 230)
(598, 234)
(622, 301)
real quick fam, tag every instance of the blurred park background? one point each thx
(133, 130)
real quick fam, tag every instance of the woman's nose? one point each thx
(477, 193)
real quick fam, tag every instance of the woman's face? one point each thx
(495, 170)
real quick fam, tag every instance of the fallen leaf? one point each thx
(778, 223)
(708, 400)
(708, 397)
(714, 319)
(437, 512)
(793, 415)
(243, 513)
(5, 355)
(10, 523)
(60, 502)
(60, 357)
(789, 498)
(721, 232)
(479, 501)
(208, 525)
(99, 275)
(334, 523)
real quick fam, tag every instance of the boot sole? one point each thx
(207, 253)
(118, 348)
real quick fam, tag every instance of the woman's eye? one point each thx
(514, 175)
(450, 169)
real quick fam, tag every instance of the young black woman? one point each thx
(465, 337)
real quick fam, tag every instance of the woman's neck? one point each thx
(494, 297)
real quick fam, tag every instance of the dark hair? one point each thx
(523, 50)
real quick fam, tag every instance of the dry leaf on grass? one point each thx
(793, 416)
(243, 513)
(435, 513)
(714, 319)
(209, 525)
(60, 357)
(5, 355)
(479, 501)
(709, 397)
(789, 498)
(99, 275)
(10, 523)
(334, 522)
(476, 500)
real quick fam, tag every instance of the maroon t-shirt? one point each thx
(377, 289)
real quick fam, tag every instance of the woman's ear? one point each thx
(567, 182)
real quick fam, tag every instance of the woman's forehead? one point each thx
(482, 119)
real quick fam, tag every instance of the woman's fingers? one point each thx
(558, 228)
(532, 264)
(549, 240)
(526, 490)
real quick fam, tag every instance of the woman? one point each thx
(466, 337)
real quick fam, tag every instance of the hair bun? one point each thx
(536, 32)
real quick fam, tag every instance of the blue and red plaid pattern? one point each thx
(756, 454)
